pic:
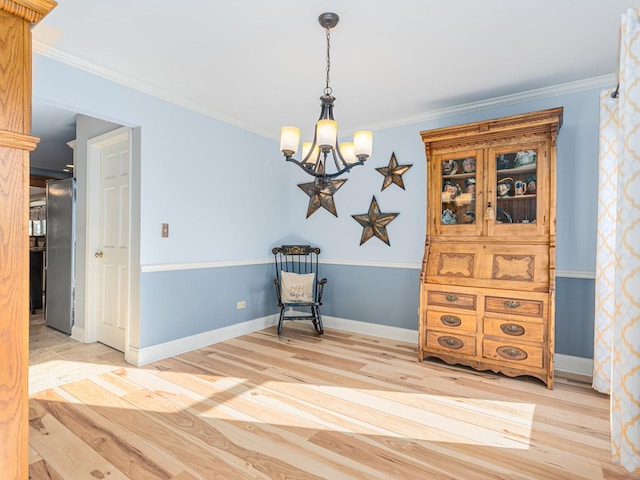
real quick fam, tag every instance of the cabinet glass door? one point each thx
(515, 185)
(459, 176)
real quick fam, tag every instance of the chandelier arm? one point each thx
(305, 160)
(338, 159)
(309, 168)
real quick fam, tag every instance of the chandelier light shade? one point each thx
(316, 154)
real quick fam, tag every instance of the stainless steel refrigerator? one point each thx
(60, 254)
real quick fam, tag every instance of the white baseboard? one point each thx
(571, 364)
(374, 329)
(142, 356)
(77, 333)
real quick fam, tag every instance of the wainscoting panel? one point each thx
(575, 301)
(381, 295)
(180, 303)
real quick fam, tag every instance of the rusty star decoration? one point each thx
(393, 173)
(375, 223)
(321, 195)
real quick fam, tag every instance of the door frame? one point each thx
(94, 148)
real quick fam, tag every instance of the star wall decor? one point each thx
(375, 223)
(321, 196)
(393, 173)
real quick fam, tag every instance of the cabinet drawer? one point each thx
(516, 330)
(514, 306)
(512, 352)
(451, 320)
(452, 299)
(455, 343)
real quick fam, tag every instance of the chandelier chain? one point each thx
(328, 89)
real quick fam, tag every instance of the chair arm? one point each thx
(320, 289)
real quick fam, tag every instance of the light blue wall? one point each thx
(229, 196)
(216, 185)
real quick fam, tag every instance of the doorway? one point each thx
(108, 239)
(86, 128)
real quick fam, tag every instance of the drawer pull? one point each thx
(451, 298)
(512, 304)
(512, 353)
(450, 321)
(512, 329)
(450, 342)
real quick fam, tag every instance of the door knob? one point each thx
(99, 254)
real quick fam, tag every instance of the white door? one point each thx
(111, 155)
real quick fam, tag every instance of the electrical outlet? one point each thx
(240, 305)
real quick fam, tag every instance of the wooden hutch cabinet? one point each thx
(488, 275)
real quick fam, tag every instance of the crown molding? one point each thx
(601, 81)
(45, 50)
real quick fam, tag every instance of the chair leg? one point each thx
(317, 320)
(281, 321)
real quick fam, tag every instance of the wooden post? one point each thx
(16, 18)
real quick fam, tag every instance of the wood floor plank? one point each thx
(273, 441)
(364, 411)
(246, 399)
(195, 457)
(295, 398)
(302, 406)
(41, 470)
(67, 454)
(174, 416)
(132, 457)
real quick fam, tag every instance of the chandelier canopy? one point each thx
(316, 154)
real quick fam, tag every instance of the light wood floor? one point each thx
(340, 406)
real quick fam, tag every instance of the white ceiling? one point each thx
(261, 64)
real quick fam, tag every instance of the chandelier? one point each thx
(316, 154)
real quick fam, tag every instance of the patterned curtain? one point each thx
(617, 328)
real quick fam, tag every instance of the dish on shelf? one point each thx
(525, 158)
(449, 167)
(469, 165)
(504, 187)
(469, 217)
(448, 217)
(502, 162)
(502, 216)
(531, 184)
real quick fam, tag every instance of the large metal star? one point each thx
(375, 223)
(321, 195)
(393, 173)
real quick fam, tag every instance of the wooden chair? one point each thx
(297, 284)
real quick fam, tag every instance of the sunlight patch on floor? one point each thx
(56, 372)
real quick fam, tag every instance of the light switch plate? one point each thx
(165, 230)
